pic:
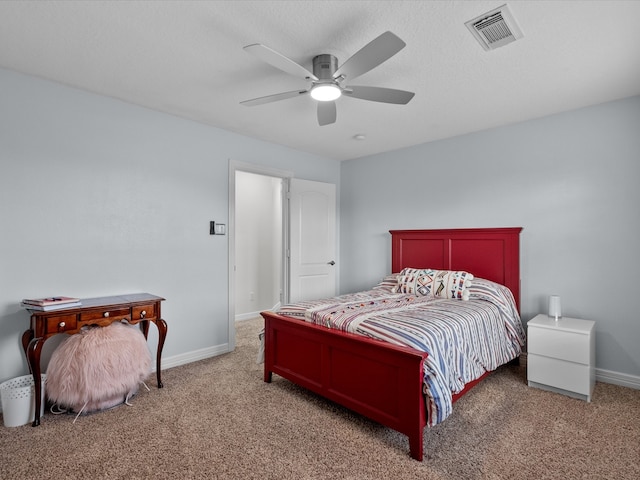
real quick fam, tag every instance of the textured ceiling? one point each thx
(185, 58)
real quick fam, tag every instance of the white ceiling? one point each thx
(185, 58)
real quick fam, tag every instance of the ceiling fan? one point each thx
(328, 82)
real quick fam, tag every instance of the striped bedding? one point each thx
(464, 339)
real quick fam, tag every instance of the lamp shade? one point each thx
(555, 310)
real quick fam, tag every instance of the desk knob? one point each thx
(62, 325)
(143, 313)
(106, 315)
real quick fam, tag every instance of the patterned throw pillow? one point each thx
(451, 284)
(413, 281)
(437, 283)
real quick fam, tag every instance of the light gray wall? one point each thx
(100, 197)
(570, 180)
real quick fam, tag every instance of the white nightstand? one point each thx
(561, 355)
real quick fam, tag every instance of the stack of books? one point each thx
(50, 303)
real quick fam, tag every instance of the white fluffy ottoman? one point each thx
(98, 368)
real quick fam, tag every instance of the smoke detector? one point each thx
(495, 29)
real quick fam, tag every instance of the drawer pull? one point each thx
(62, 324)
(143, 313)
(105, 314)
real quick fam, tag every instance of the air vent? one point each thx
(495, 29)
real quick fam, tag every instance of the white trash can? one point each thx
(19, 400)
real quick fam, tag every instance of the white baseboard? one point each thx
(604, 376)
(251, 315)
(246, 316)
(617, 378)
(194, 356)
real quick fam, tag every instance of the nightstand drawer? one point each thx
(559, 344)
(569, 376)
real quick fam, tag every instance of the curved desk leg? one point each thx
(27, 336)
(34, 351)
(162, 335)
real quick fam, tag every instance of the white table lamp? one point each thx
(555, 310)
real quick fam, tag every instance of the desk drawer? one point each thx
(98, 316)
(144, 312)
(61, 323)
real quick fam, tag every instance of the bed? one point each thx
(386, 381)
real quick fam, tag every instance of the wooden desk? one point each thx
(133, 308)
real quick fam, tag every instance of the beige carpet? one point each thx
(217, 419)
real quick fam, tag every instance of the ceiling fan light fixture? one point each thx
(328, 82)
(326, 92)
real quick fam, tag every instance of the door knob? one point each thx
(331, 263)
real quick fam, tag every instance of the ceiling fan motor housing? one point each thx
(324, 66)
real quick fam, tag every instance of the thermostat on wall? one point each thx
(217, 228)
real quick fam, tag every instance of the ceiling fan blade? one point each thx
(326, 113)
(272, 98)
(277, 60)
(370, 56)
(379, 94)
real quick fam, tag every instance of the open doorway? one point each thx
(259, 244)
(257, 241)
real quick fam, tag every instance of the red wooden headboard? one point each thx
(491, 253)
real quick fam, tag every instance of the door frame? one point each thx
(235, 166)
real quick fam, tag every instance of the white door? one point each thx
(312, 241)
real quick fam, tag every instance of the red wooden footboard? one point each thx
(378, 380)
